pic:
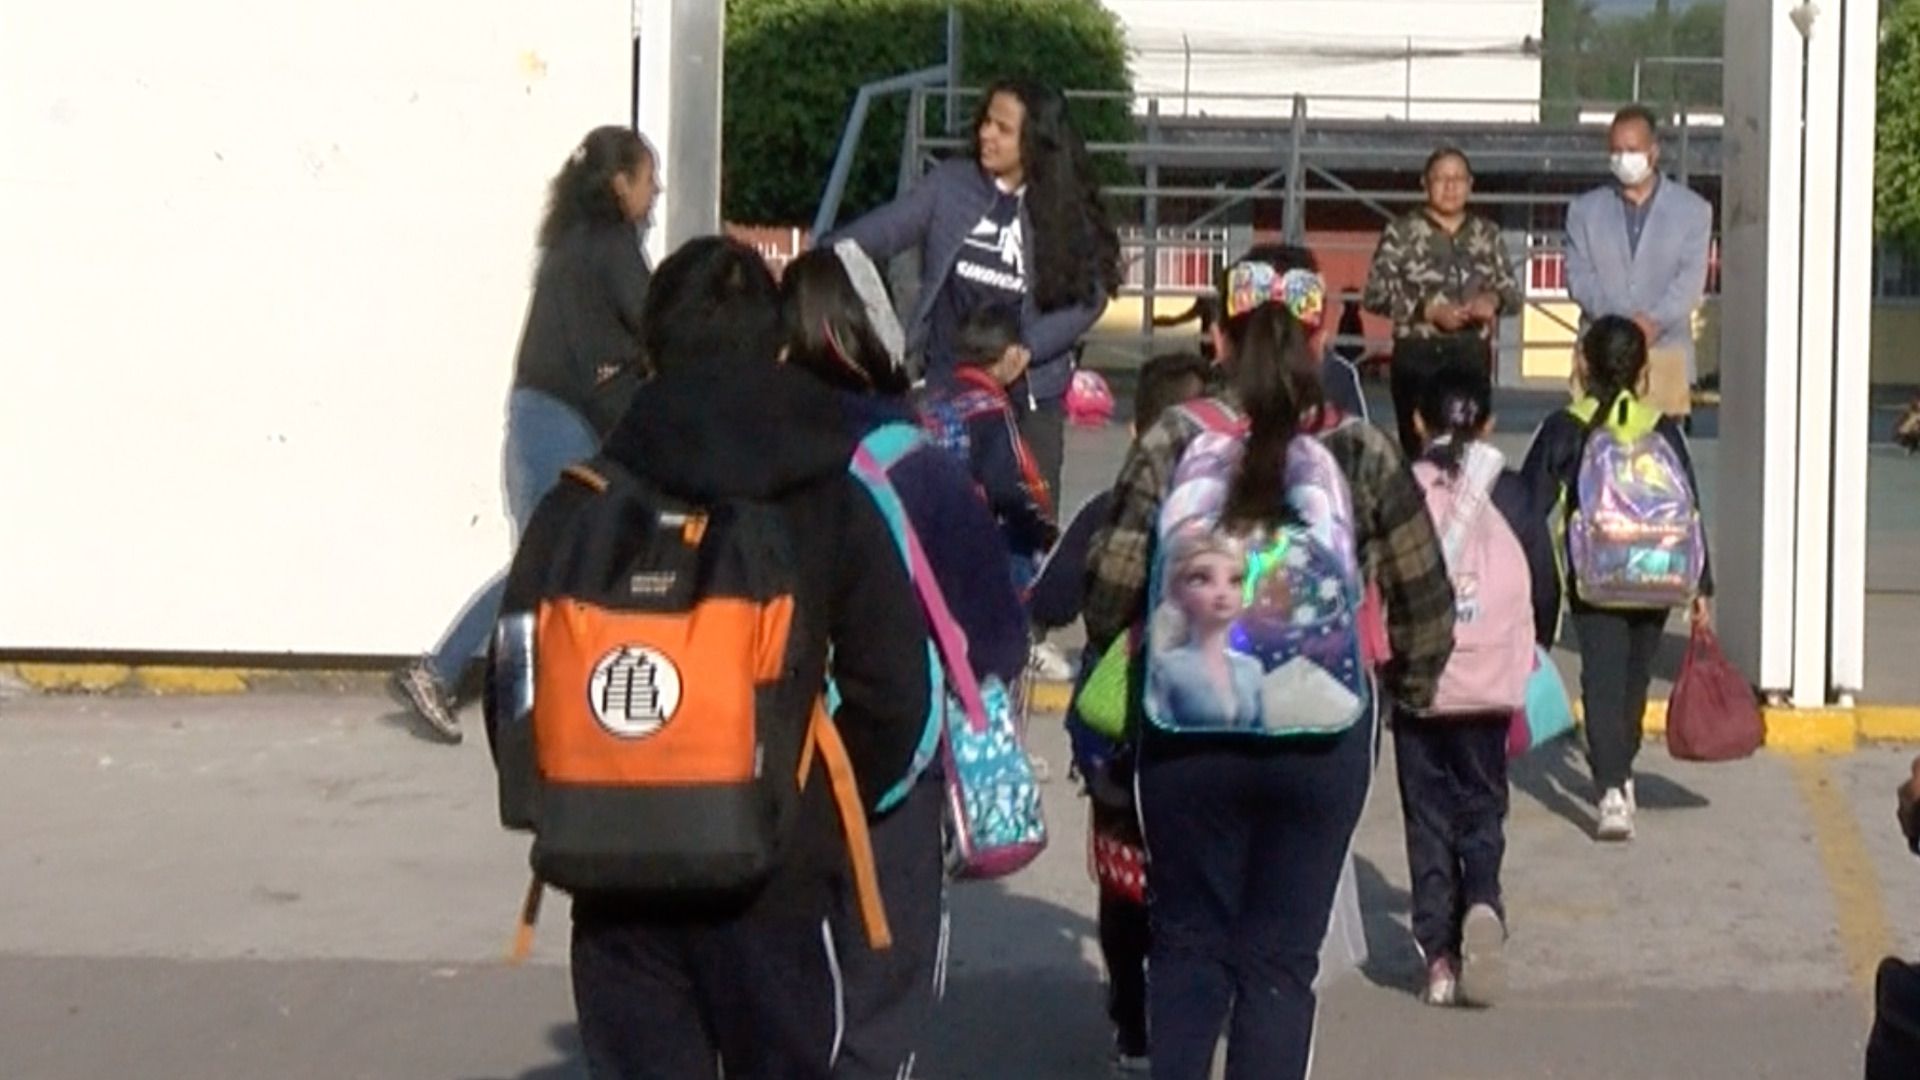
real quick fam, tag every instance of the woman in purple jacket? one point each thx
(1019, 222)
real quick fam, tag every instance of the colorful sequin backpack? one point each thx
(1633, 529)
(994, 821)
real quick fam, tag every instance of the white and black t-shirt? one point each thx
(990, 270)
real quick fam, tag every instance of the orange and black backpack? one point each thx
(649, 720)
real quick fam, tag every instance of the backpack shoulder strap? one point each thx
(879, 487)
(824, 737)
(947, 635)
(1213, 416)
(891, 442)
(1480, 470)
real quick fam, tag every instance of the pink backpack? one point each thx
(1089, 400)
(1493, 591)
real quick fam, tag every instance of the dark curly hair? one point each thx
(582, 191)
(1076, 252)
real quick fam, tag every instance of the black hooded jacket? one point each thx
(739, 428)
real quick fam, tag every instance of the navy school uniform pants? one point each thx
(891, 994)
(1617, 650)
(1246, 843)
(1453, 795)
(671, 1000)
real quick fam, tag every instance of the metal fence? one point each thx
(1182, 258)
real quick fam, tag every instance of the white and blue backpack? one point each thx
(1290, 662)
(995, 825)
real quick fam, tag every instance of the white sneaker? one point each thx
(1483, 960)
(1443, 988)
(1633, 804)
(1049, 664)
(1616, 816)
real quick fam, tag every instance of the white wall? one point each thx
(1336, 47)
(265, 268)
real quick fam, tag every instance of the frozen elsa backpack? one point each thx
(1254, 633)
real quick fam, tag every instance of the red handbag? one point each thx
(1713, 715)
(1119, 867)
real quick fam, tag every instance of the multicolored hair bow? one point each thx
(1253, 284)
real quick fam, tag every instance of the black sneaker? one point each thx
(422, 691)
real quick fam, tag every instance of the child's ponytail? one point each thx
(1454, 410)
(1615, 352)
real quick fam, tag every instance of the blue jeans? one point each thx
(543, 437)
(1245, 846)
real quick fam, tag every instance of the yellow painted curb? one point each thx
(1049, 697)
(192, 680)
(88, 678)
(1811, 731)
(1653, 723)
(184, 679)
(1888, 723)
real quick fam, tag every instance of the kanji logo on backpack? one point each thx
(1633, 529)
(1493, 592)
(1257, 632)
(647, 728)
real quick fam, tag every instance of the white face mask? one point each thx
(1631, 168)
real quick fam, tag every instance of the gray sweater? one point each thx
(1665, 277)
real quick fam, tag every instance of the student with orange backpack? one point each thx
(655, 703)
(1452, 757)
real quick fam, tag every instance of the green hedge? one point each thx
(1896, 192)
(793, 67)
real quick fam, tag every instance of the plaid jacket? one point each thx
(1418, 262)
(1392, 530)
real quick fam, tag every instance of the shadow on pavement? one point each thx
(565, 1041)
(1554, 776)
(1655, 792)
(1023, 974)
(1393, 961)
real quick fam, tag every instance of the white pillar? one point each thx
(682, 50)
(1759, 342)
(1796, 258)
(1859, 33)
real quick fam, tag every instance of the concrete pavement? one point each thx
(295, 885)
(292, 884)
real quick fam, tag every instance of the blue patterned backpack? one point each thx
(994, 821)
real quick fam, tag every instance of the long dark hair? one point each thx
(1277, 379)
(1454, 407)
(713, 297)
(1616, 354)
(828, 334)
(582, 191)
(1076, 252)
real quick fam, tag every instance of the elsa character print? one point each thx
(1198, 680)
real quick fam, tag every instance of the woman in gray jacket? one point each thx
(1020, 223)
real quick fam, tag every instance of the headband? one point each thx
(1252, 285)
(873, 296)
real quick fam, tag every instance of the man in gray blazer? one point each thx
(1638, 247)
